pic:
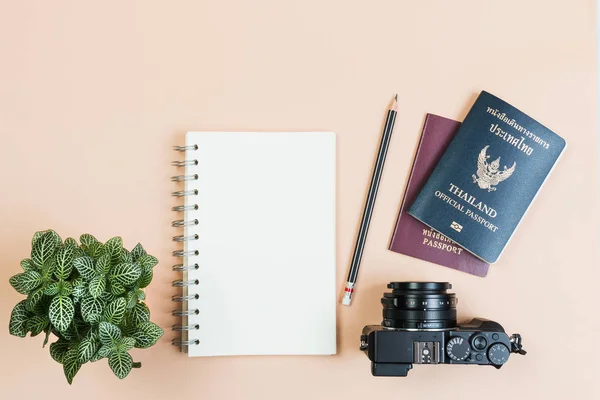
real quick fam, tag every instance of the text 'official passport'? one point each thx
(488, 176)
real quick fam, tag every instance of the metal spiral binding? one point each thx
(184, 297)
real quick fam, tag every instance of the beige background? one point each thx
(94, 94)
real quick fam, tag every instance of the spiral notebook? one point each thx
(258, 243)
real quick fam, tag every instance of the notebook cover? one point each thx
(266, 277)
(414, 238)
(488, 177)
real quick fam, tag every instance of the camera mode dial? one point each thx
(458, 349)
(498, 354)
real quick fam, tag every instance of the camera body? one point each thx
(419, 327)
(393, 352)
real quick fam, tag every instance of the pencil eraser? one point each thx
(346, 301)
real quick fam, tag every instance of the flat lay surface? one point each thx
(94, 96)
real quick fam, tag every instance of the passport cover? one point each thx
(488, 177)
(414, 238)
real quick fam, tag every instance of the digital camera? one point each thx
(419, 327)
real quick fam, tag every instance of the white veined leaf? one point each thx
(71, 242)
(95, 250)
(145, 277)
(85, 266)
(36, 237)
(117, 289)
(43, 249)
(115, 311)
(107, 297)
(16, 283)
(125, 274)
(141, 295)
(52, 289)
(120, 363)
(113, 247)
(58, 350)
(103, 264)
(86, 350)
(64, 262)
(37, 324)
(61, 312)
(65, 288)
(126, 256)
(55, 237)
(71, 364)
(139, 314)
(131, 299)
(147, 334)
(34, 298)
(125, 344)
(137, 252)
(148, 261)
(91, 309)
(27, 265)
(86, 239)
(97, 286)
(109, 334)
(104, 351)
(18, 320)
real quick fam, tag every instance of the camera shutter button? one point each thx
(479, 343)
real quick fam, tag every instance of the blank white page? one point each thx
(266, 243)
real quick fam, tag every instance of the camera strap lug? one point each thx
(515, 344)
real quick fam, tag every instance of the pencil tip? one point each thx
(396, 97)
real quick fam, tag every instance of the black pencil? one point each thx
(370, 203)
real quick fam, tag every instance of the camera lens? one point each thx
(419, 306)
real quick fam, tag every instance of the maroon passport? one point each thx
(411, 236)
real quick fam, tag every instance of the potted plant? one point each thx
(90, 296)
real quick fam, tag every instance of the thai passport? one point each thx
(412, 237)
(488, 177)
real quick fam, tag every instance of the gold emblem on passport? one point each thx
(488, 174)
(456, 226)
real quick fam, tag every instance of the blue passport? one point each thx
(488, 177)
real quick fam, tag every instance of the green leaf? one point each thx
(36, 237)
(95, 250)
(139, 314)
(97, 286)
(145, 277)
(48, 268)
(91, 309)
(34, 298)
(87, 240)
(117, 289)
(64, 259)
(58, 350)
(103, 264)
(130, 299)
(125, 344)
(126, 256)
(107, 297)
(55, 237)
(48, 330)
(71, 364)
(147, 334)
(78, 252)
(52, 289)
(148, 261)
(15, 282)
(141, 295)
(85, 266)
(105, 351)
(26, 282)
(61, 312)
(87, 348)
(44, 248)
(137, 252)
(37, 324)
(27, 265)
(113, 247)
(120, 363)
(65, 288)
(71, 242)
(115, 311)
(18, 320)
(125, 274)
(109, 334)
